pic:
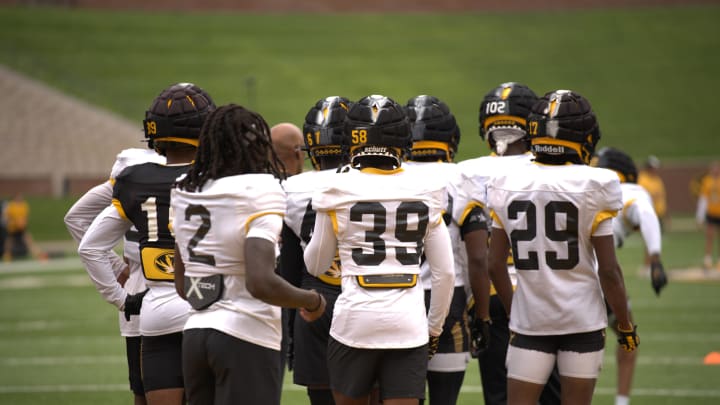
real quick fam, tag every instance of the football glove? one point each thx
(658, 277)
(433, 345)
(133, 303)
(480, 332)
(628, 339)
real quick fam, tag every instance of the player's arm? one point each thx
(291, 257)
(610, 273)
(179, 271)
(497, 266)
(320, 252)
(474, 230)
(95, 250)
(262, 281)
(642, 214)
(438, 253)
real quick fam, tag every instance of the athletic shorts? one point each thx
(132, 351)
(712, 220)
(400, 373)
(221, 369)
(162, 362)
(310, 342)
(578, 355)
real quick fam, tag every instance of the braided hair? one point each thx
(233, 140)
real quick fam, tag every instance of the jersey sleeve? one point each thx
(608, 198)
(640, 213)
(81, 214)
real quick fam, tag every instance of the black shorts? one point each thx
(400, 373)
(132, 351)
(162, 362)
(585, 342)
(712, 220)
(221, 369)
(310, 341)
(455, 337)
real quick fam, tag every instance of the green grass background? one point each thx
(650, 73)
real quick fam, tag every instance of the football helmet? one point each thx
(563, 127)
(435, 134)
(506, 108)
(177, 115)
(376, 126)
(323, 129)
(619, 161)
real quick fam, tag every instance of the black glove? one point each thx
(628, 339)
(433, 345)
(133, 303)
(480, 331)
(658, 278)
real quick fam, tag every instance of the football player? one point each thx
(708, 211)
(382, 219)
(141, 198)
(435, 140)
(128, 268)
(555, 214)
(227, 217)
(503, 125)
(323, 129)
(637, 214)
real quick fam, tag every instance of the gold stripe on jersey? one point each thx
(112, 181)
(256, 216)
(118, 206)
(333, 217)
(467, 210)
(601, 216)
(157, 263)
(496, 218)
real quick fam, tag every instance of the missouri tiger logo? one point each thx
(158, 264)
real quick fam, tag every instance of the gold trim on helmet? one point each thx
(583, 153)
(500, 119)
(420, 148)
(189, 141)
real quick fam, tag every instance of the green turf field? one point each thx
(59, 341)
(650, 73)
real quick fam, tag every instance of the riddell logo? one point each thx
(550, 149)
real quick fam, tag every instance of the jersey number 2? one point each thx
(202, 212)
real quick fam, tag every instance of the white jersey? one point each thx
(300, 217)
(470, 186)
(215, 223)
(638, 214)
(446, 171)
(91, 204)
(549, 214)
(380, 223)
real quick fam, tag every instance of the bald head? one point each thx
(288, 141)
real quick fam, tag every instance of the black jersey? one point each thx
(142, 195)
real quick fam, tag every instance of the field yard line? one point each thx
(638, 392)
(62, 361)
(35, 266)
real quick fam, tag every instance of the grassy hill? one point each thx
(651, 73)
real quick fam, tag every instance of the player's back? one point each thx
(549, 213)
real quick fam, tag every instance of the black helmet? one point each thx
(323, 129)
(615, 159)
(506, 106)
(563, 127)
(435, 134)
(177, 115)
(377, 126)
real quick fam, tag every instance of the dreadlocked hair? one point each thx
(232, 141)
